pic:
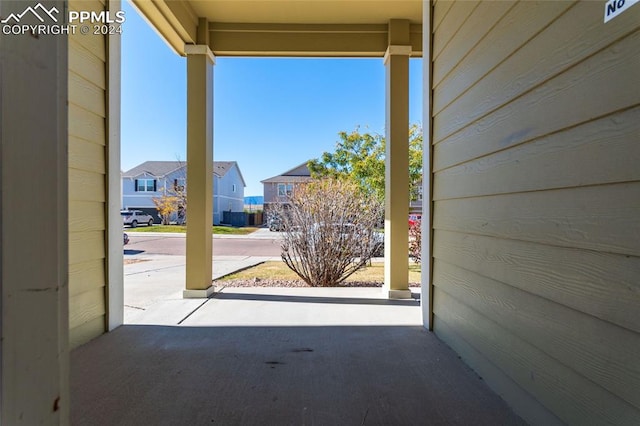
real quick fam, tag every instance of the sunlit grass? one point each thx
(225, 230)
(279, 271)
(233, 231)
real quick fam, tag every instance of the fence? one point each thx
(242, 218)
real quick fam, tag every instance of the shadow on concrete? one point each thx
(132, 252)
(354, 375)
(225, 295)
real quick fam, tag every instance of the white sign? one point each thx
(614, 8)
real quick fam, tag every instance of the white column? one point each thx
(115, 274)
(200, 61)
(396, 233)
(426, 299)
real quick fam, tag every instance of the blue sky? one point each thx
(270, 114)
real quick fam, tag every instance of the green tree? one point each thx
(166, 206)
(359, 157)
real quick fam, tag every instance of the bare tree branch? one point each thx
(329, 231)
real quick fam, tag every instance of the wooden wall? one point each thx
(536, 160)
(87, 181)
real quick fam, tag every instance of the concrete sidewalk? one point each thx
(153, 286)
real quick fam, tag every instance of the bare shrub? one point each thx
(329, 231)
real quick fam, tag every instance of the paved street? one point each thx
(260, 243)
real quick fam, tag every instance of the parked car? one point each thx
(347, 231)
(378, 239)
(275, 224)
(414, 218)
(126, 239)
(134, 218)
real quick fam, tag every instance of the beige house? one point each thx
(276, 189)
(532, 133)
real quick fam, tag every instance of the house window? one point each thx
(285, 189)
(233, 187)
(179, 184)
(145, 185)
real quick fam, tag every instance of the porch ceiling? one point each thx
(333, 28)
(309, 11)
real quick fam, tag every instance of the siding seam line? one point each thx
(434, 58)
(555, 302)
(484, 36)
(529, 343)
(537, 242)
(542, 83)
(551, 133)
(531, 191)
(516, 49)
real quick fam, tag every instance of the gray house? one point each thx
(277, 188)
(152, 179)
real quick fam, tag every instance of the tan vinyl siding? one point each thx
(87, 181)
(86, 64)
(88, 157)
(82, 274)
(480, 22)
(522, 22)
(440, 10)
(87, 331)
(536, 213)
(453, 20)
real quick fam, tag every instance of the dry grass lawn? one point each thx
(279, 271)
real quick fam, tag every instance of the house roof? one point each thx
(292, 179)
(220, 168)
(299, 173)
(161, 169)
(154, 168)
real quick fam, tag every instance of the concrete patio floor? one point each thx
(274, 356)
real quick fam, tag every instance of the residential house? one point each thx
(153, 179)
(228, 190)
(276, 189)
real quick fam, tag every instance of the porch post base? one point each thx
(198, 294)
(400, 294)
